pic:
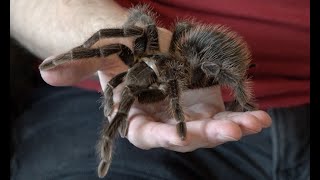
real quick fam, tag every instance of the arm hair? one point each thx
(46, 27)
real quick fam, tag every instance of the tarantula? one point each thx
(199, 56)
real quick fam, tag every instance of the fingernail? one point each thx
(227, 138)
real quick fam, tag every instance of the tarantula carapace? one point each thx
(199, 56)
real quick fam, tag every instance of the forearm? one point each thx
(48, 27)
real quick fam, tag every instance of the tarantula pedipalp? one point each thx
(199, 56)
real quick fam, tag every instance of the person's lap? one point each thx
(56, 137)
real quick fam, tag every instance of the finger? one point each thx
(260, 116)
(70, 73)
(248, 123)
(263, 117)
(206, 133)
(148, 134)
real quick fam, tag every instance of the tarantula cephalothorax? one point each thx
(199, 56)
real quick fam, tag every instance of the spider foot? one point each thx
(105, 149)
(250, 107)
(236, 107)
(233, 106)
(49, 64)
(103, 168)
(54, 61)
(123, 129)
(182, 130)
(108, 108)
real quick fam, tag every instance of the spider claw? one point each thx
(123, 129)
(107, 111)
(182, 130)
(235, 106)
(47, 65)
(250, 107)
(103, 168)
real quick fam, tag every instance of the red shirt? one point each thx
(277, 32)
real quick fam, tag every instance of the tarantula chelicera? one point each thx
(199, 56)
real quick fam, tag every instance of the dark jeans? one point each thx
(56, 135)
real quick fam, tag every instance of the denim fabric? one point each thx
(55, 139)
(291, 143)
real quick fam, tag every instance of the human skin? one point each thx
(54, 27)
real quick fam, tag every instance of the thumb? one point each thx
(69, 73)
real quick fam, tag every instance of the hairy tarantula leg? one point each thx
(174, 91)
(127, 99)
(109, 132)
(180, 29)
(125, 54)
(199, 79)
(241, 88)
(242, 93)
(111, 33)
(243, 100)
(123, 128)
(105, 146)
(142, 15)
(152, 32)
(108, 92)
(148, 41)
(235, 106)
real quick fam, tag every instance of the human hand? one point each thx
(208, 125)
